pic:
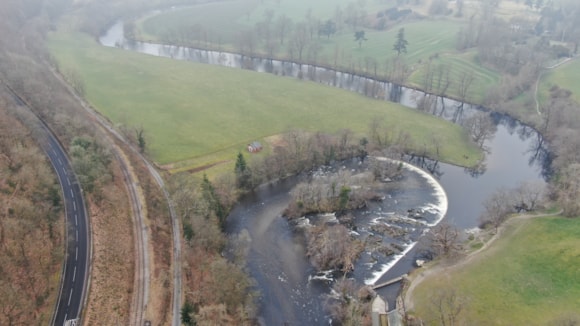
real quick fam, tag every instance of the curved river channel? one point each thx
(291, 292)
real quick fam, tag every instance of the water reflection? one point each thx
(517, 153)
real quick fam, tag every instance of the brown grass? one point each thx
(113, 257)
(159, 245)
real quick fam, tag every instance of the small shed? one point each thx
(254, 147)
(379, 312)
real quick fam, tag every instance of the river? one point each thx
(292, 293)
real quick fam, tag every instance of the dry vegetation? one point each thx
(112, 263)
(217, 290)
(31, 228)
(159, 231)
(25, 66)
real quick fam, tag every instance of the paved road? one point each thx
(75, 273)
(177, 291)
(70, 302)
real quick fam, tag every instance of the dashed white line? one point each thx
(74, 274)
(59, 162)
(75, 206)
(76, 253)
(77, 231)
(68, 181)
(70, 296)
(72, 193)
(76, 220)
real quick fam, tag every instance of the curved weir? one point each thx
(292, 291)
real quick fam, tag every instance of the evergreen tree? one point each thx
(243, 174)
(401, 43)
(213, 201)
(187, 314)
(359, 36)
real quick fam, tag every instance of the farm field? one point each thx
(529, 276)
(201, 114)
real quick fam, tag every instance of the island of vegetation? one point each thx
(115, 110)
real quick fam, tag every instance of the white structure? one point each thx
(379, 312)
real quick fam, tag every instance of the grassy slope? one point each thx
(528, 277)
(192, 110)
(427, 38)
(566, 76)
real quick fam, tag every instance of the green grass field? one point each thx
(192, 112)
(566, 76)
(531, 276)
(429, 39)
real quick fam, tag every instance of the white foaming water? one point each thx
(385, 268)
(440, 208)
(322, 276)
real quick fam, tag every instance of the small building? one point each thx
(379, 312)
(254, 147)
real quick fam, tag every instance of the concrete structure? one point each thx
(379, 312)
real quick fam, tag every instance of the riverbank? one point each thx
(513, 279)
(124, 86)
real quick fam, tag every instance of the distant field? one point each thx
(528, 277)
(204, 114)
(566, 76)
(429, 39)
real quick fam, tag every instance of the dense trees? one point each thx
(31, 226)
(217, 290)
(90, 161)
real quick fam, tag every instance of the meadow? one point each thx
(430, 40)
(200, 114)
(565, 76)
(530, 276)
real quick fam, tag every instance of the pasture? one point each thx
(201, 114)
(429, 40)
(530, 276)
(566, 76)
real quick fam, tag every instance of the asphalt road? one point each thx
(75, 274)
(70, 302)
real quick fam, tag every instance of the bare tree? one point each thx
(283, 26)
(480, 127)
(569, 190)
(441, 241)
(497, 208)
(299, 41)
(332, 247)
(529, 195)
(465, 81)
(447, 306)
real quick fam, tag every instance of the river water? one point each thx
(291, 292)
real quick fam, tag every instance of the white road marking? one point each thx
(68, 181)
(76, 220)
(72, 194)
(70, 296)
(74, 274)
(75, 206)
(59, 161)
(77, 231)
(76, 253)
